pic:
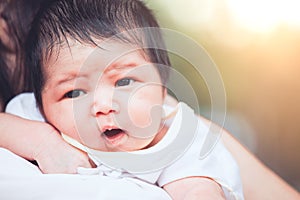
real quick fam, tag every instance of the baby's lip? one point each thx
(108, 128)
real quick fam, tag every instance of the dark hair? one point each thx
(89, 20)
(6, 91)
(16, 16)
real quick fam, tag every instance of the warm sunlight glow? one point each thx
(190, 13)
(264, 15)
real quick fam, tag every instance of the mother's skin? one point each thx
(259, 182)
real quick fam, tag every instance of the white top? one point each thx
(19, 179)
(176, 156)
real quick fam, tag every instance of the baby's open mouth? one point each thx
(113, 133)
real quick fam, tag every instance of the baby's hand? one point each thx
(54, 155)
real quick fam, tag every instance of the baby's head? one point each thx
(88, 22)
(98, 71)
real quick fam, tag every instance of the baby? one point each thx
(98, 70)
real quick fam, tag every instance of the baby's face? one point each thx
(107, 98)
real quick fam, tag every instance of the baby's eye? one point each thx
(74, 94)
(124, 82)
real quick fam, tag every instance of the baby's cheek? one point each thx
(145, 118)
(140, 114)
(67, 125)
(64, 121)
(144, 103)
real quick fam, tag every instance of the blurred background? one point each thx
(256, 46)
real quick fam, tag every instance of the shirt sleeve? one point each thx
(24, 105)
(218, 165)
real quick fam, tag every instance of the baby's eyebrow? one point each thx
(68, 77)
(120, 66)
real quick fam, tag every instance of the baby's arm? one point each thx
(39, 141)
(195, 188)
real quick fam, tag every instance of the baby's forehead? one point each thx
(106, 55)
(114, 49)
